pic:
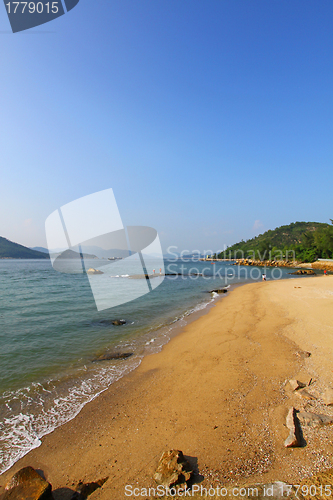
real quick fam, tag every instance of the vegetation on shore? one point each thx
(301, 241)
(11, 250)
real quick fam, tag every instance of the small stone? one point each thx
(296, 384)
(305, 394)
(294, 438)
(328, 397)
(313, 419)
(303, 354)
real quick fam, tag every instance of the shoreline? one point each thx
(162, 336)
(185, 397)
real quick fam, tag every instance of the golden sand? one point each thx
(218, 391)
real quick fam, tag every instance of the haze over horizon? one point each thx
(212, 122)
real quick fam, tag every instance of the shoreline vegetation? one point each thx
(229, 390)
(304, 241)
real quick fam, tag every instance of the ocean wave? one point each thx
(32, 412)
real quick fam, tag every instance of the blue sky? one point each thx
(211, 120)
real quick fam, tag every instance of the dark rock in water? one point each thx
(27, 484)
(116, 322)
(83, 490)
(114, 355)
(173, 469)
(119, 322)
(219, 290)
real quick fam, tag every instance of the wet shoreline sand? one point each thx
(218, 391)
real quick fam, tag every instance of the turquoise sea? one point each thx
(51, 332)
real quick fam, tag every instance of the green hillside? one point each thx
(307, 241)
(11, 250)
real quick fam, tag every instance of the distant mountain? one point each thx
(70, 254)
(40, 249)
(11, 250)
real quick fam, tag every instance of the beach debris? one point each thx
(27, 484)
(294, 438)
(305, 394)
(173, 469)
(296, 384)
(303, 354)
(113, 355)
(314, 419)
(119, 322)
(91, 270)
(328, 397)
(83, 490)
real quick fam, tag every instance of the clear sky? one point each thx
(210, 119)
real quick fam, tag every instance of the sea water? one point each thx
(51, 335)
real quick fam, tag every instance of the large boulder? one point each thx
(173, 469)
(27, 484)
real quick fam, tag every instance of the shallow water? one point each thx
(51, 331)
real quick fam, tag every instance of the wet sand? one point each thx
(218, 391)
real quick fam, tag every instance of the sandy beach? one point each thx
(218, 391)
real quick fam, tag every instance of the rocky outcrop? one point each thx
(266, 263)
(309, 272)
(322, 265)
(27, 484)
(173, 469)
(219, 290)
(91, 270)
(294, 438)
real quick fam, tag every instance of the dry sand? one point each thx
(217, 392)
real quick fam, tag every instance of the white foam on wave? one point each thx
(38, 409)
(34, 411)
